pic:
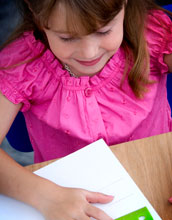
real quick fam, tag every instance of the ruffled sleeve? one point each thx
(159, 39)
(22, 81)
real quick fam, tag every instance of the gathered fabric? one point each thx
(64, 113)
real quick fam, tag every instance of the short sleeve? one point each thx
(159, 38)
(18, 76)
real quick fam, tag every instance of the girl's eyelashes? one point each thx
(104, 33)
(71, 39)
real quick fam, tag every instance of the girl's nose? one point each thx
(89, 49)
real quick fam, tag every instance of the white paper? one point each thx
(93, 168)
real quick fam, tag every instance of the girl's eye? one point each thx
(71, 39)
(104, 33)
(68, 39)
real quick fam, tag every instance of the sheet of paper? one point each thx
(93, 168)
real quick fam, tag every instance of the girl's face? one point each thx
(85, 55)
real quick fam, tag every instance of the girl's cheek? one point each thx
(111, 44)
(63, 52)
(114, 41)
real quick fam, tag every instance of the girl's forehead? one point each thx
(59, 20)
(64, 19)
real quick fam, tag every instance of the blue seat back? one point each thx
(169, 78)
(18, 136)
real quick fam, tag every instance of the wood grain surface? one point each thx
(149, 163)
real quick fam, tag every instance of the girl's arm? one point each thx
(168, 61)
(53, 201)
(8, 112)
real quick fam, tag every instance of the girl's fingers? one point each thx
(82, 217)
(97, 213)
(95, 197)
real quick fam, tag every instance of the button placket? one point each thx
(88, 92)
(94, 116)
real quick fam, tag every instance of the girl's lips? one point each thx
(89, 63)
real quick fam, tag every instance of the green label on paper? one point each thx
(141, 214)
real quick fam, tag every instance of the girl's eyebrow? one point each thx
(65, 32)
(61, 31)
(108, 26)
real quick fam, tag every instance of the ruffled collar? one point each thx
(113, 69)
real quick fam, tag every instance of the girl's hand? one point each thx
(60, 203)
(53, 201)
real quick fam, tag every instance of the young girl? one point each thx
(81, 71)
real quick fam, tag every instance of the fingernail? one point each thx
(170, 200)
(109, 195)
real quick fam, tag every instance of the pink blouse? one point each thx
(64, 114)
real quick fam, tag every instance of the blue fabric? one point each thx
(18, 136)
(169, 78)
(168, 7)
(169, 89)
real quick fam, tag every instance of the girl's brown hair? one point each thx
(92, 14)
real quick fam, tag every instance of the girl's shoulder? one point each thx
(159, 37)
(157, 17)
(158, 22)
(27, 70)
(20, 50)
(158, 26)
